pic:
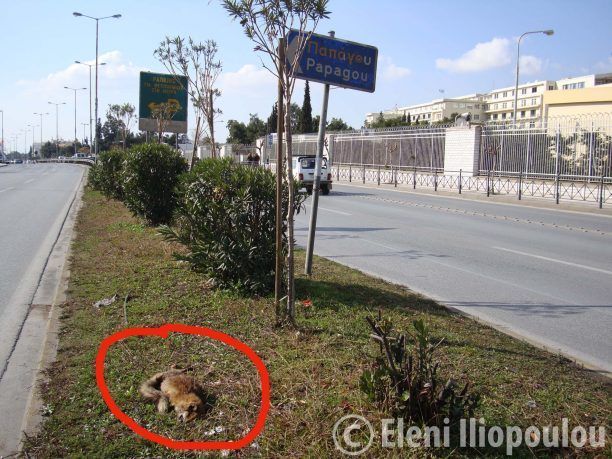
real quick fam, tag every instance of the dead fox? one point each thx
(173, 388)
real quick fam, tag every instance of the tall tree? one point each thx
(237, 132)
(198, 62)
(124, 114)
(305, 122)
(273, 120)
(337, 124)
(265, 22)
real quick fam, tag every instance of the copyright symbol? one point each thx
(347, 429)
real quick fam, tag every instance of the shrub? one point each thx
(226, 219)
(105, 174)
(405, 380)
(150, 175)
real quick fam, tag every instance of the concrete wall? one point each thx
(462, 150)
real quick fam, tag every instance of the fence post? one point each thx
(488, 182)
(414, 179)
(394, 172)
(350, 173)
(601, 191)
(557, 164)
(436, 180)
(460, 180)
(378, 175)
(363, 174)
(338, 173)
(520, 187)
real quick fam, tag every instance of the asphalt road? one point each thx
(34, 201)
(543, 274)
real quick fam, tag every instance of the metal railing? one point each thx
(597, 191)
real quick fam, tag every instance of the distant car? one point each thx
(18, 161)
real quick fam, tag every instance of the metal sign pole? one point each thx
(317, 178)
(279, 182)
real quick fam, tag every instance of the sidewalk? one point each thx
(472, 195)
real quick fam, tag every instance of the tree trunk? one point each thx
(290, 312)
(211, 125)
(195, 141)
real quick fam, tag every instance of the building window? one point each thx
(495, 116)
(532, 113)
(503, 116)
(524, 91)
(495, 96)
(477, 106)
(476, 117)
(504, 105)
(522, 113)
(534, 89)
(505, 93)
(495, 106)
(523, 102)
(534, 101)
(551, 87)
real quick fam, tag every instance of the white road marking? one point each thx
(28, 181)
(380, 245)
(334, 211)
(6, 189)
(554, 260)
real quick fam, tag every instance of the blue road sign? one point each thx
(335, 62)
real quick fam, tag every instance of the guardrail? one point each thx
(87, 162)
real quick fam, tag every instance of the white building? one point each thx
(496, 105)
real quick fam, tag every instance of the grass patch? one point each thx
(314, 371)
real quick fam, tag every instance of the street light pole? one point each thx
(90, 118)
(41, 130)
(85, 124)
(56, 126)
(75, 117)
(518, 54)
(115, 16)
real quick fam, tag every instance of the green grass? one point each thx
(314, 370)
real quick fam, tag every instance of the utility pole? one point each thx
(317, 178)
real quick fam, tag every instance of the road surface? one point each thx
(543, 274)
(34, 201)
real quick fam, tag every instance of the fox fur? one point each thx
(175, 389)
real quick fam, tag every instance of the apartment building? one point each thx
(436, 110)
(498, 104)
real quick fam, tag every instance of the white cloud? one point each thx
(391, 71)
(483, 56)
(603, 65)
(249, 80)
(530, 65)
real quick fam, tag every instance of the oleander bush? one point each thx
(225, 217)
(150, 175)
(105, 174)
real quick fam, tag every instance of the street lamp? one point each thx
(518, 54)
(115, 16)
(85, 124)
(41, 130)
(90, 118)
(75, 121)
(56, 126)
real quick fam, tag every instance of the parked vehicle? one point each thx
(304, 171)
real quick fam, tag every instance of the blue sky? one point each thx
(460, 47)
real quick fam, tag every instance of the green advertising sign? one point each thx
(161, 90)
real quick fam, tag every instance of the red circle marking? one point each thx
(163, 332)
